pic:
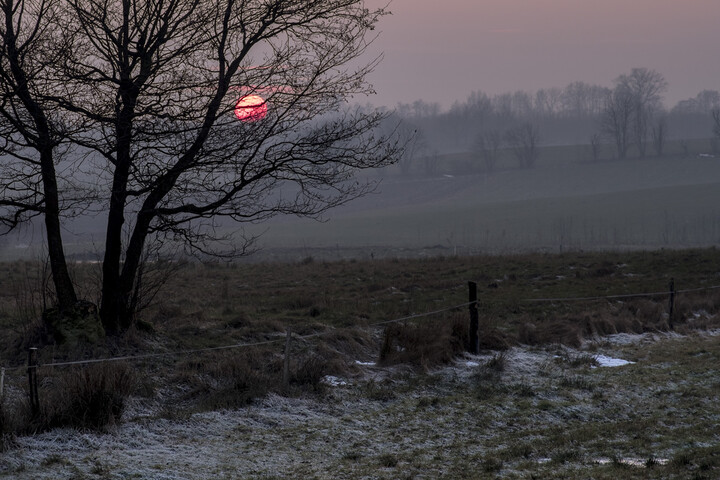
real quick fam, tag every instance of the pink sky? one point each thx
(441, 50)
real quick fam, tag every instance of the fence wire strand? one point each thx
(320, 334)
(612, 297)
(224, 347)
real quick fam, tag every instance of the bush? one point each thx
(310, 372)
(231, 380)
(88, 398)
(426, 344)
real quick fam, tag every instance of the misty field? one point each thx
(565, 203)
(372, 398)
(562, 204)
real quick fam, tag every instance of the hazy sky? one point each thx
(441, 50)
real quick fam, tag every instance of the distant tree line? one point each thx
(628, 119)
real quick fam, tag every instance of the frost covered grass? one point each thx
(649, 419)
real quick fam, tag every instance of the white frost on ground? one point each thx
(633, 462)
(333, 381)
(605, 361)
(281, 437)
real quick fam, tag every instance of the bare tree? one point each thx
(145, 91)
(415, 145)
(548, 101)
(32, 135)
(659, 136)
(524, 141)
(716, 122)
(715, 140)
(646, 88)
(487, 145)
(616, 119)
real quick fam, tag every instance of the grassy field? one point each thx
(651, 203)
(531, 403)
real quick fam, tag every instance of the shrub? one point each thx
(92, 397)
(492, 369)
(424, 344)
(230, 380)
(310, 372)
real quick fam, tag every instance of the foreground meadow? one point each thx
(366, 397)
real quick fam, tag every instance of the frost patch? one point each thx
(333, 381)
(605, 361)
(634, 462)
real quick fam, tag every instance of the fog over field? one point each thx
(566, 202)
(644, 204)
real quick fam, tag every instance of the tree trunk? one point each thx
(113, 299)
(64, 288)
(110, 302)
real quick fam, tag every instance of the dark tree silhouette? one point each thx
(31, 138)
(524, 142)
(616, 121)
(144, 93)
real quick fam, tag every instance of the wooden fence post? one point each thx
(286, 362)
(2, 382)
(32, 380)
(474, 346)
(671, 307)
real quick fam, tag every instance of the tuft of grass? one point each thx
(379, 392)
(230, 381)
(388, 460)
(88, 398)
(576, 382)
(425, 344)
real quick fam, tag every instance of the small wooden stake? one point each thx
(32, 380)
(671, 307)
(474, 346)
(286, 362)
(2, 382)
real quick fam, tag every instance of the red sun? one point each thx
(251, 108)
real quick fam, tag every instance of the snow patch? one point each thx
(365, 364)
(605, 361)
(333, 381)
(634, 462)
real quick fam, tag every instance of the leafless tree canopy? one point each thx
(134, 99)
(488, 145)
(716, 122)
(631, 107)
(524, 141)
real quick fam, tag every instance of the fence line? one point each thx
(610, 297)
(319, 334)
(223, 347)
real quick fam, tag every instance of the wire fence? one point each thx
(614, 297)
(189, 352)
(223, 347)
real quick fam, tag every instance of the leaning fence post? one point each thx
(286, 362)
(32, 380)
(474, 324)
(671, 307)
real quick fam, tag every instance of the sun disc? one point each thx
(250, 108)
